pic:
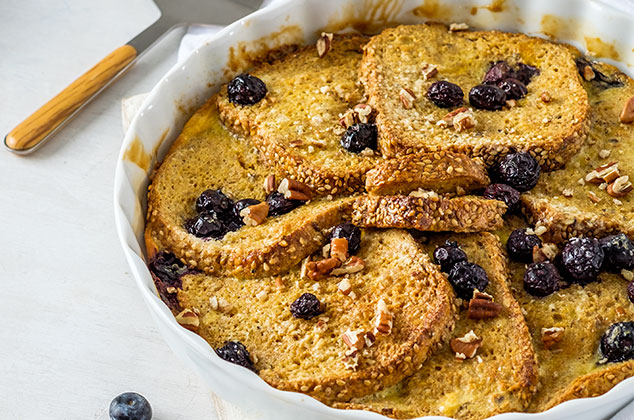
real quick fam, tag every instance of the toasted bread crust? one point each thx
(385, 70)
(476, 394)
(434, 213)
(442, 172)
(421, 302)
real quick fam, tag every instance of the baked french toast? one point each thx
(573, 202)
(566, 328)
(403, 68)
(277, 225)
(308, 355)
(500, 377)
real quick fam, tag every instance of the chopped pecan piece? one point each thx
(348, 118)
(339, 248)
(551, 336)
(407, 98)
(482, 306)
(545, 97)
(294, 190)
(352, 265)
(187, 318)
(354, 339)
(429, 71)
(547, 252)
(604, 173)
(324, 44)
(457, 27)
(363, 111)
(254, 215)
(317, 270)
(620, 187)
(627, 113)
(466, 347)
(345, 287)
(269, 184)
(384, 318)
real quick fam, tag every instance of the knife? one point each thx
(53, 115)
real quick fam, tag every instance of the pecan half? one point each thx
(187, 318)
(552, 336)
(294, 190)
(465, 347)
(324, 44)
(482, 306)
(254, 215)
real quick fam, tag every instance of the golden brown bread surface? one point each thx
(429, 212)
(500, 379)
(575, 213)
(570, 369)
(442, 172)
(306, 355)
(394, 60)
(207, 156)
(296, 126)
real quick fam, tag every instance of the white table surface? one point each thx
(75, 332)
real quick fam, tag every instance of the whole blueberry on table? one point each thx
(520, 245)
(130, 406)
(505, 193)
(582, 259)
(246, 89)
(447, 255)
(519, 170)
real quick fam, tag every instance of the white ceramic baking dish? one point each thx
(590, 25)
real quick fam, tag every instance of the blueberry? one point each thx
(236, 353)
(167, 270)
(487, 97)
(499, 71)
(630, 291)
(130, 406)
(350, 232)
(359, 137)
(207, 226)
(502, 192)
(617, 343)
(619, 252)
(245, 89)
(448, 255)
(466, 277)
(279, 205)
(213, 200)
(542, 279)
(513, 88)
(582, 259)
(600, 79)
(306, 306)
(520, 245)
(445, 94)
(241, 205)
(524, 73)
(519, 170)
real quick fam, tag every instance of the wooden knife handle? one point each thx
(42, 122)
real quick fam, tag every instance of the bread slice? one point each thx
(296, 126)
(429, 212)
(570, 369)
(394, 60)
(306, 355)
(207, 156)
(561, 200)
(442, 172)
(501, 378)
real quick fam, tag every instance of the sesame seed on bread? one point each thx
(502, 377)
(306, 355)
(563, 201)
(442, 172)
(430, 212)
(394, 60)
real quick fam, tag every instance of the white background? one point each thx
(75, 332)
